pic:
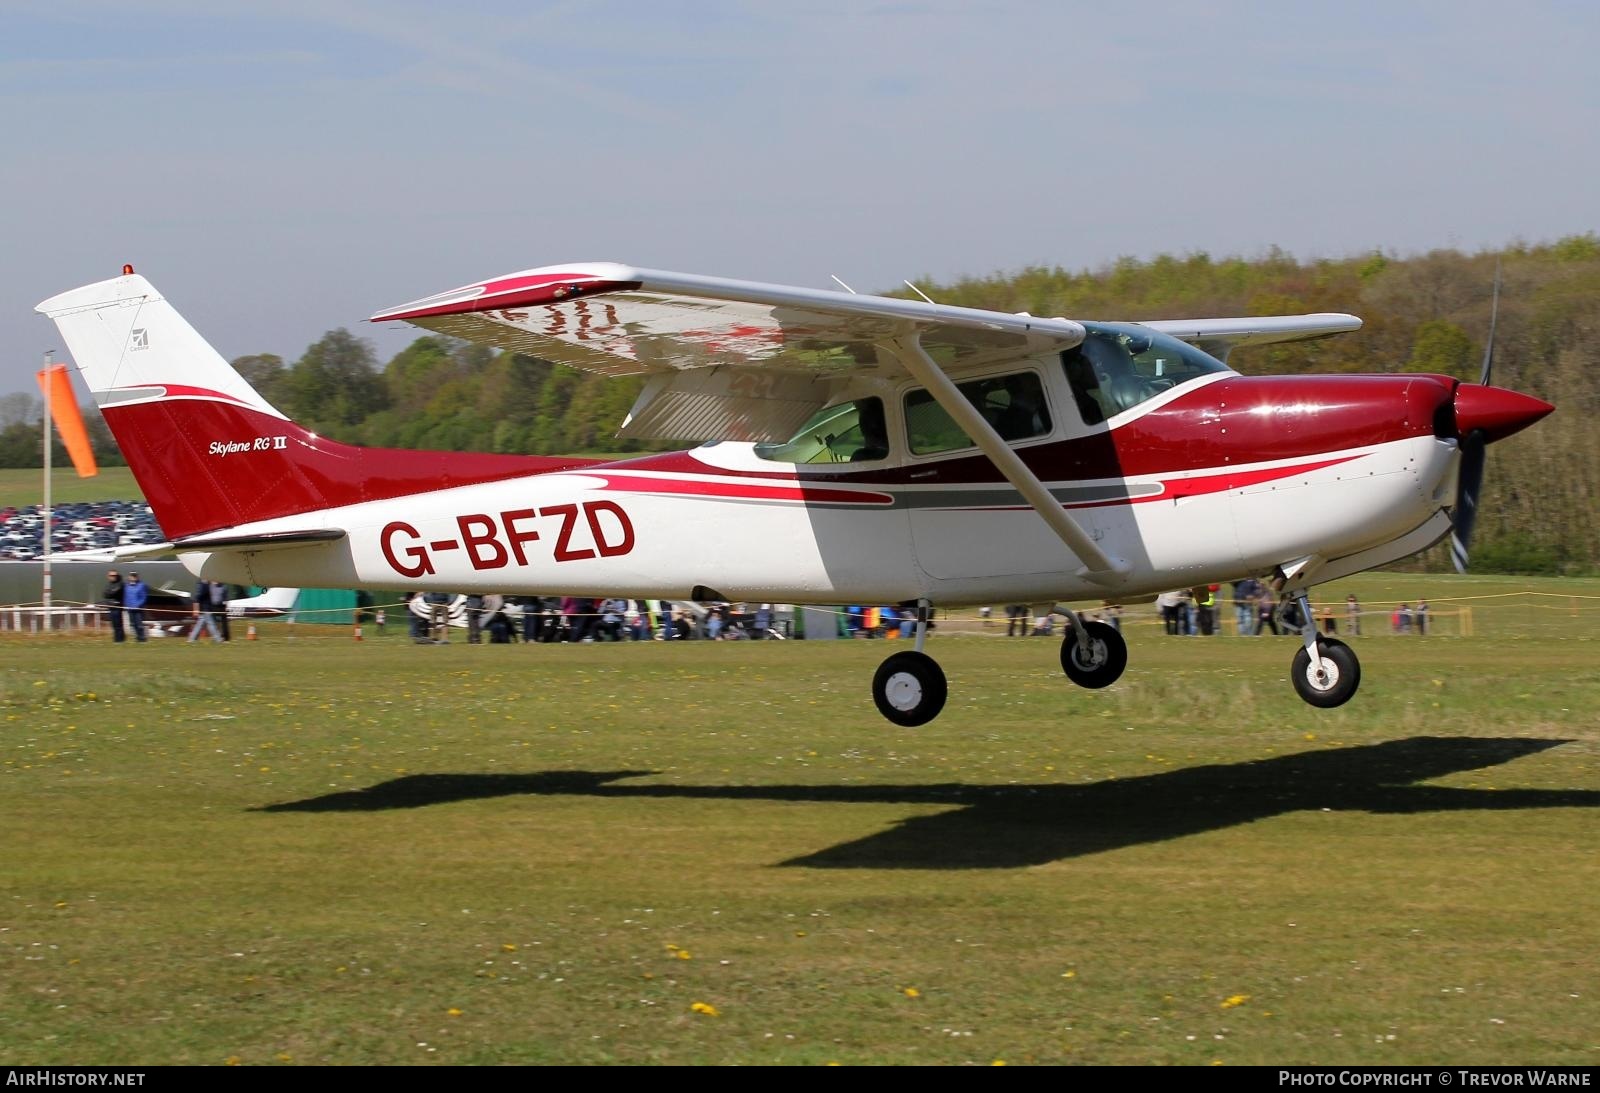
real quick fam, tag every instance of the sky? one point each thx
(281, 169)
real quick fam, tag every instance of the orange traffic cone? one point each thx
(250, 634)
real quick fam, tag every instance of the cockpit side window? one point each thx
(1119, 365)
(1014, 404)
(847, 432)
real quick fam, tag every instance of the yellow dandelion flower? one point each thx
(508, 948)
(1070, 973)
(1234, 1000)
(232, 1060)
(998, 1062)
(911, 992)
(453, 1012)
(705, 1008)
(684, 954)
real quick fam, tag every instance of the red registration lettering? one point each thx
(492, 542)
(416, 556)
(483, 549)
(518, 536)
(569, 520)
(609, 548)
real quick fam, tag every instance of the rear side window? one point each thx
(1014, 404)
(850, 432)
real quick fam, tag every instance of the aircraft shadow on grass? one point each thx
(1008, 826)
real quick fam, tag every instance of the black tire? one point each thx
(909, 689)
(1108, 656)
(1336, 683)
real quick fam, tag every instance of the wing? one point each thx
(727, 359)
(1220, 336)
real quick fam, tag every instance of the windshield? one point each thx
(848, 432)
(1120, 365)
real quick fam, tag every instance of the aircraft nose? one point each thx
(1496, 411)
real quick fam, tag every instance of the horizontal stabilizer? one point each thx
(111, 555)
(272, 540)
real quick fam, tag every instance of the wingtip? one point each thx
(529, 288)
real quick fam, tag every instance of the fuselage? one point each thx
(1223, 476)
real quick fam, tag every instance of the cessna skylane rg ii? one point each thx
(859, 449)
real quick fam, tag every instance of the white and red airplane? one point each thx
(862, 450)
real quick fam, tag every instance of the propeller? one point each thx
(1473, 448)
(1468, 482)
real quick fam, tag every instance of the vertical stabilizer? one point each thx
(132, 346)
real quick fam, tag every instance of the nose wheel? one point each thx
(1326, 673)
(909, 689)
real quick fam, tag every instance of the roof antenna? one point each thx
(919, 292)
(842, 285)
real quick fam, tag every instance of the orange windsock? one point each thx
(57, 389)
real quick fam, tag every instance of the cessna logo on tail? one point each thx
(139, 340)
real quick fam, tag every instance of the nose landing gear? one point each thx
(1326, 671)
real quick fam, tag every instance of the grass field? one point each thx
(23, 487)
(312, 851)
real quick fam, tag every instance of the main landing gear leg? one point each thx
(1326, 672)
(1093, 653)
(909, 688)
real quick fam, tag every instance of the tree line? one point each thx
(1422, 313)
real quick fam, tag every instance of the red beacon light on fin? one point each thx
(126, 269)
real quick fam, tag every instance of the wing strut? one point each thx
(1097, 565)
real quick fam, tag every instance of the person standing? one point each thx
(204, 614)
(1420, 617)
(1266, 614)
(219, 608)
(1352, 615)
(112, 598)
(1244, 608)
(1205, 599)
(135, 594)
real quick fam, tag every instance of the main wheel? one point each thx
(909, 689)
(1330, 682)
(1108, 655)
